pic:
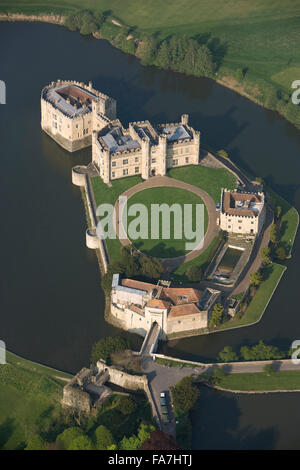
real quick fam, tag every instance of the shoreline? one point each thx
(59, 20)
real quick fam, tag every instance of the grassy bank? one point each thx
(284, 380)
(289, 220)
(253, 44)
(259, 302)
(30, 397)
(202, 261)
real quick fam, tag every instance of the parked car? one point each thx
(218, 206)
(163, 400)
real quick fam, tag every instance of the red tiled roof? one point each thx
(183, 310)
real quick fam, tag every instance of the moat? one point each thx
(50, 291)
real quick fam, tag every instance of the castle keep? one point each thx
(77, 116)
(67, 110)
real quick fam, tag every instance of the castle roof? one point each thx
(70, 99)
(242, 204)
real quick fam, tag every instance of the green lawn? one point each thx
(164, 247)
(289, 220)
(211, 180)
(106, 194)
(255, 309)
(284, 380)
(203, 260)
(29, 398)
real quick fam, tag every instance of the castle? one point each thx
(137, 305)
(76, 116)
(242, 212)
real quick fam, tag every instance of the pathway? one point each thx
(212, 229)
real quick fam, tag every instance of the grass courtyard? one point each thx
(165, 247)
(210, 180)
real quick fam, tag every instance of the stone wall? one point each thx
(76, 398)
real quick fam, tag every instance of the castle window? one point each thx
(54, 124)
(125, 162)
(136, 159)
(240, 221)
(186, 159)
(113, 163)
(187, 150)
(252, 223)
(175, 162)
(76, 126)
(136, 170)
(229, 226)
(125, 172)
(54, 116)
(153, 160)
(113, 174)
(240, 228)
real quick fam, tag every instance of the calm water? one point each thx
(51, 300)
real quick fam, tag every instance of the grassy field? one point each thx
(30, 396)
(289, 220)
(261, 36)
(284, 380)
(164, 248)
(211, 180)
(255, 309)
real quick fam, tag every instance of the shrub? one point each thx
(105, 346)
(194, 273)
(103, 438)
(184, 394)
(126, 405)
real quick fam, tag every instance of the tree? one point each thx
(103, 438)
(228, 355)
(260, 352)
(151, 268)
(105, 346)
(65, 439)
(274, 234)
(223, 153)
(269, 369)
(145, 431)
(255, 278)
(126, 405)
(265, 254)
(163, 58)
(184, 394)
(194, 273)
(160, 440)
(216, 317)
(81, 443)
(217, 375)
(278, 212)
(281, 253)
(130, 443)
(36, 443)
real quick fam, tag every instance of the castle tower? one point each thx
(145, 159)
(162, 168)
